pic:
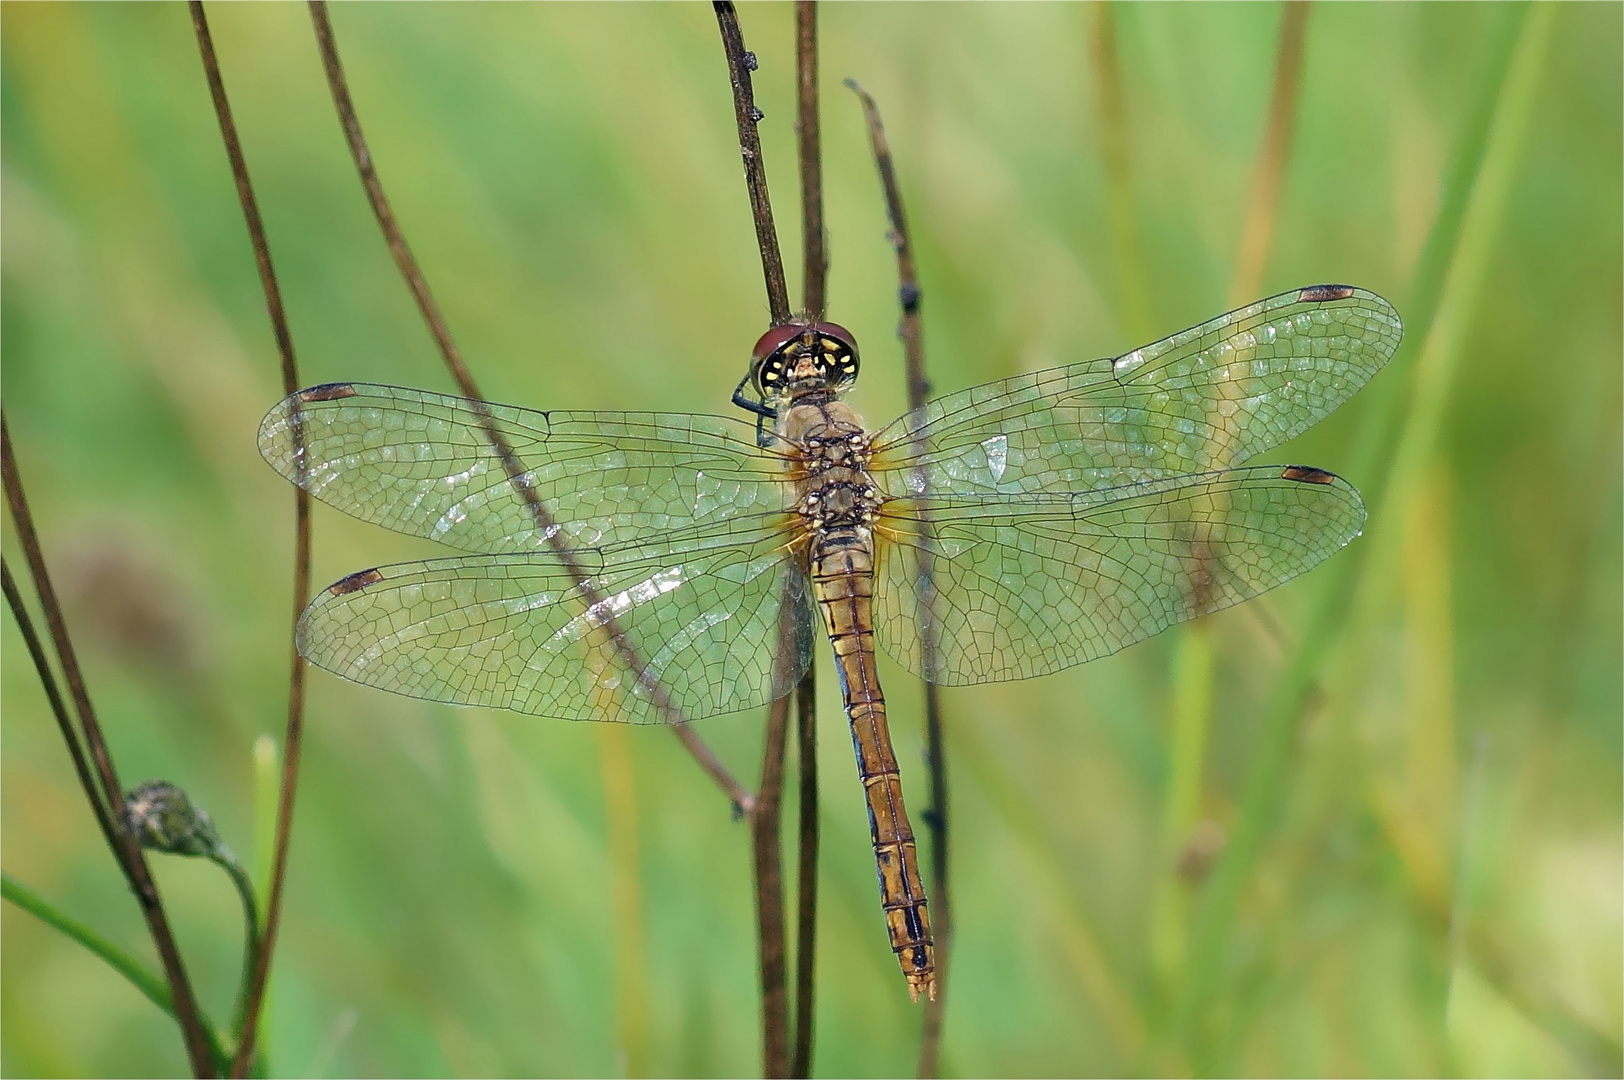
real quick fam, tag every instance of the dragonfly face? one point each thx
(799, 358)
(1001, 532)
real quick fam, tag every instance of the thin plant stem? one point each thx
(814, 283)
(145, 980)
(740, 63)
(59, 708)
(125, 850)
(26, 898)
(256, 972)
(251, 939)
(808, 142)
(764, 822)
(517, 474)
(911, 330)
(769, 883)
(806, 922)
(767, 863)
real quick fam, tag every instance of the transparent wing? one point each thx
(422, 464)
(1028, 584)
(699, 620)
(1208, 398)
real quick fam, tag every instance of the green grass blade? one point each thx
(141, 977)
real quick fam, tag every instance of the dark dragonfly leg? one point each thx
(763, 411)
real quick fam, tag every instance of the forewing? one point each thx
(697, 625)
(1208, 398)
(1028, 584)
(422, 464)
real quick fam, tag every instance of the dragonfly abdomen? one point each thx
(843, 583)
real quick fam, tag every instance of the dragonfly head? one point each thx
(795, 358)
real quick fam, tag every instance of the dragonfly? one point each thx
(646, 567)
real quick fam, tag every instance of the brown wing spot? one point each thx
(1307, 474)
(1317, 294)
(327, 392)
(355, 582)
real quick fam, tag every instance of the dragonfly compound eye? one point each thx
(839, 351)
(793, 352)
(770, 356)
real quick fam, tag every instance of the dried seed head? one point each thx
(162, 818)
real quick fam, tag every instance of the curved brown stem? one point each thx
(464, 379)
(125, 850)
(254, 983)
(59, 708)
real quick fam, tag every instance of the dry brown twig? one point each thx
(464, 379)
(911, 331)
(109, 809)
(767, 858)
(293, 739)
(814, 293)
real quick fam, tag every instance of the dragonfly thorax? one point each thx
(831, 450)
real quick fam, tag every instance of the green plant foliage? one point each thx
(1159, 868)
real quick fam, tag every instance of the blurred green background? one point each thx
(1156, 868)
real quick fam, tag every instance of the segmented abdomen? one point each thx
(843, 582)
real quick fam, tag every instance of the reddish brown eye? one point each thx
(785, 350)
(838, 332)
(775, 339)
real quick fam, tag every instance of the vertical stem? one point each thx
(814, 285)
(764, 822)
(251, 939)
(767, 864)
(808, 143)
(768, 870)
(806, 921)
(130, 858)
(252, 996)
(935, 817)
(740, 63)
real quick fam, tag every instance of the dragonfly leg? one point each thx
(763, 411)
